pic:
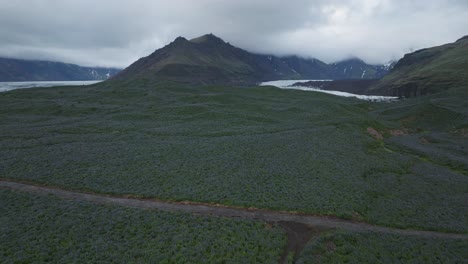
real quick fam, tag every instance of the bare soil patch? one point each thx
(398, 132)
(298, 236)
(374, 133)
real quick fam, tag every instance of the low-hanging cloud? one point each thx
(117, 32)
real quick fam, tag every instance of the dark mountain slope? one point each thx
(427, 71)
(13, 70)
(187, 62)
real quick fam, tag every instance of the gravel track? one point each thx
(224, 211)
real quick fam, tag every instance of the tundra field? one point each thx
(400, 164)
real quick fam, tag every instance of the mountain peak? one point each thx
(180, 40)
(207, 38)
(465, 38)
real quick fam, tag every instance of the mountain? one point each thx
(427, 71)
(357, 69)
(204, 60)
(208, 59)
(14, 70)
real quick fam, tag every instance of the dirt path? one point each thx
(322, 222)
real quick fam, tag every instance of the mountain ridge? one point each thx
(208, 59)
(427, 71)
(15, 70)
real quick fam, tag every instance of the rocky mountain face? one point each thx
(208, 59)
(14, 70)
(427, 71)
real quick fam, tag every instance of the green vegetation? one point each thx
(254, 147)
(435, 128)
(38, 229)
(353, 247)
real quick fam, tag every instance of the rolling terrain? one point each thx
(15, 70)
(256, 147)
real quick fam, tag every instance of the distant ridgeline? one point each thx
(427, 71)
(14, 70)
(209, 60)
(422, 72)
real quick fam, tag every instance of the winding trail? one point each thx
(224, 211)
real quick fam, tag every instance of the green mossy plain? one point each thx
(255, 147)
(260, 146)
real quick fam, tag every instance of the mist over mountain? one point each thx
(115, 33)
(427, 71)
(208, 59)
(356, 68)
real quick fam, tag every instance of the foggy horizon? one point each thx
(117, 33)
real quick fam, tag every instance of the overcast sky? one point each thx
(117, 32)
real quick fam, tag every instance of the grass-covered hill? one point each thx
(208, 59)
(427, 71)
(15, 70)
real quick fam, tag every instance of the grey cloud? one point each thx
(117, 32)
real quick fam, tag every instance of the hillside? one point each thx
(427, 71)
(15, 70)
(208, 59)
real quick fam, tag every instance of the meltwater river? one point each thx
(288, 84)
(283, 84)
